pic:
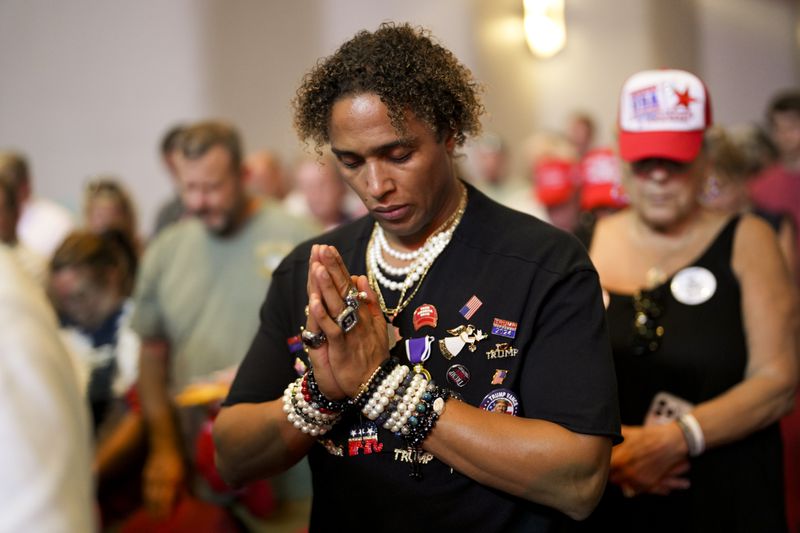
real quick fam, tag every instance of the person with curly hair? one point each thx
(388, 345)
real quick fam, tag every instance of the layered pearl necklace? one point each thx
(421, 260)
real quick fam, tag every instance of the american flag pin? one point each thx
(469, 309)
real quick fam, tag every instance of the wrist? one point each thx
(676, 439)
(368, 386)
(693, 436)
(307, 409)
(164, 442)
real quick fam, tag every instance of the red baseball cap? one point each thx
(601, 179)
(554, 180)
(663, 113)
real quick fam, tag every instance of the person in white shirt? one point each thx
(46, 483)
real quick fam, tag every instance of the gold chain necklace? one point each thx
(402, 302)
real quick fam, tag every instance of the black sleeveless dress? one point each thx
(701, 354)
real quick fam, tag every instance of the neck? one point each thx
(678, 232)
(248, 207)
(444, 218)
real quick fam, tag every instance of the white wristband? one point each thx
(693, 434)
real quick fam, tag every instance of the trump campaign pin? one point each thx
(504, 328)
(425, 315)
(501, 401)
(458, 375)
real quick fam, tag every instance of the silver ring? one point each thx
(351, 299)
(313, 340)
(348, 318)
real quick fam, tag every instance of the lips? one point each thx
(391, 213)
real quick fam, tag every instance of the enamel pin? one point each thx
(425, 315)
(501, 401)
(458, 375)
(504, 328)
(463, 336)
(299, 366)
(470, 307)
(499, 376)
(502, 350)
(364, 440)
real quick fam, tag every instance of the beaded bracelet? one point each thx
(406, 405)
(421, 423)
(317, 397)
(368, 388)
(427, 414)
(390, 415)
(303, 415)
(384, 392)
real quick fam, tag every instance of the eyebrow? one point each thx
(378, 150)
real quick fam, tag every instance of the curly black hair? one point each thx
(403, 66)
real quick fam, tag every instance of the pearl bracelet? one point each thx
(384, 392)
(305, 416)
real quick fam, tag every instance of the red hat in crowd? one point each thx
(663, 113)
(601, 178)
(554, 180)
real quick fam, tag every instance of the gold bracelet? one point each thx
(364, 387)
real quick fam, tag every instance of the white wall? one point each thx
(748, 51)
(90, 86)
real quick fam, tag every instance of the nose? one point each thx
(194, 200)
(378, 181)
(658, 173)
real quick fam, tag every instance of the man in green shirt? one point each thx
(198, 293)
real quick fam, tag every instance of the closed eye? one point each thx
(349, 162)
(401, 158)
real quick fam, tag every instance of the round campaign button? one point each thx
(693, 285)
(501, 401)
(458, 375)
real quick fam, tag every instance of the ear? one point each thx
(450, 142)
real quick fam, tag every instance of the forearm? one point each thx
(749, 406)
(255, 441)
(116, 449)
(157, 409)
(532, 459)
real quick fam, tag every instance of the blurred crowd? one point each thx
(136, 312)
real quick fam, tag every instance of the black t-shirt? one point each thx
(534, 294)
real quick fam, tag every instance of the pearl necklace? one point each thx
(421, 259)
(425, 256)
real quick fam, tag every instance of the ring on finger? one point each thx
(313, 340)
(348, 318)
(351, 299)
